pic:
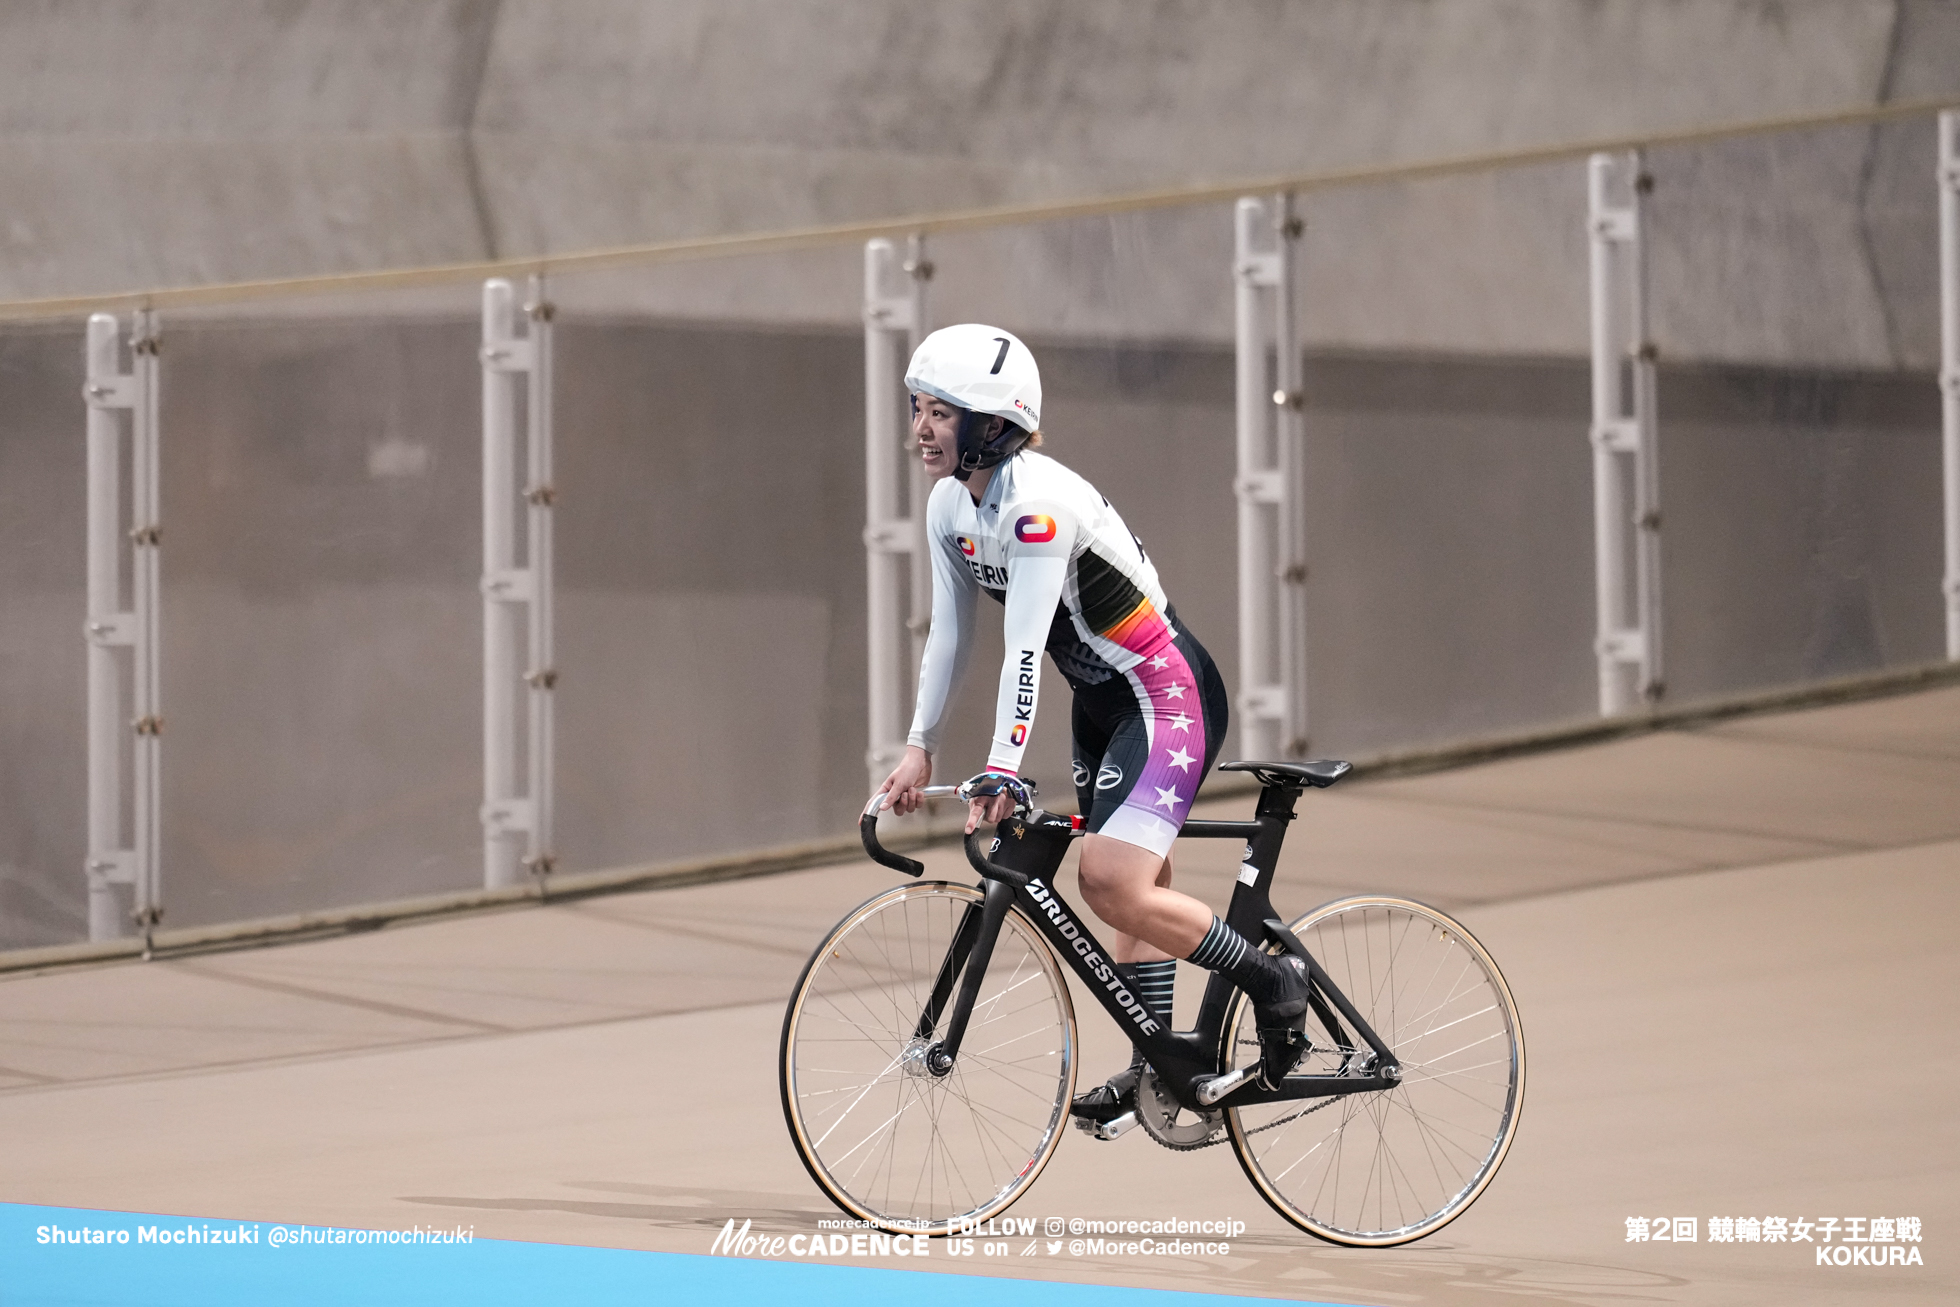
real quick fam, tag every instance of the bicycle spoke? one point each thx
(1390, 1165)
(1429, 1074)
(1436, 1128)
(889, 1140)
(1435, 1030)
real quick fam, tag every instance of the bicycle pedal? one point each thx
(1279, 1053)
(1114, 1128)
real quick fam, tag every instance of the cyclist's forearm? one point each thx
(1031, 602)
(947, 644)
(939, 671)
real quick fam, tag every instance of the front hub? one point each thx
(925, 1060)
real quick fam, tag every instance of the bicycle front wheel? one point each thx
(1382, 1168)
(889, 1141)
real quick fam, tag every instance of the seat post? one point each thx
(1277, 801)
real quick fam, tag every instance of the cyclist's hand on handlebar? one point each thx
(988, 811)
(901, 788)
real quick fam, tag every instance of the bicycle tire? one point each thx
(1384, 1168)
(886, 1140)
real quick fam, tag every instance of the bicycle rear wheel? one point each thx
(1383, 1168)
(890, 1142)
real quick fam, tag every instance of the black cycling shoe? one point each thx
(1110, 1099)
(1282, 1023)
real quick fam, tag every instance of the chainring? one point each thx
(1172, 1124)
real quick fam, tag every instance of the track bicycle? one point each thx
(929, 1047)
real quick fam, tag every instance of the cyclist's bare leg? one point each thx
(1146, 969)
(1129, 888)
(1128, 948)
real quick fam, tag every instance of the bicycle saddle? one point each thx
(1291, 775)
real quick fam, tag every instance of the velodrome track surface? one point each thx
(1732, 947)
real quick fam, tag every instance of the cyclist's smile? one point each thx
(936, 426)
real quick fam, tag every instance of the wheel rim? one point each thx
(1387, 1167)
(888, 1140)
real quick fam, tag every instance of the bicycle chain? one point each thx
(1210, 1141)
(1222, 1135)
(1305, 1111)
(1270, 1125)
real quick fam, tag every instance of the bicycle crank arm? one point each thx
(1210, 1091)
(1107, 1130)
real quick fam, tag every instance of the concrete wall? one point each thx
(146, 143)
(760, 114)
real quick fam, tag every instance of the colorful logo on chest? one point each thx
(966, 545)
(1035, 529)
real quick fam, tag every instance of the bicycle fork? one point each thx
(966, 961)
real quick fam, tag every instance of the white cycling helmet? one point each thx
(985, 371)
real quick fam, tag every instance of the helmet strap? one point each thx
(976, 452)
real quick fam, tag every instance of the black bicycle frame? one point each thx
(1019, 868)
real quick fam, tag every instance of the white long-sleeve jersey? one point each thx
(1072, 578)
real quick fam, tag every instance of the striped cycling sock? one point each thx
(1221, 949)
(1226, 951)
(1153, 983)
(1128, 974)
(1156, 985)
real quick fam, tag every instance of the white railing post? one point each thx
(109, 627)
(894, 315)
(1949, 182)
(1270, 484)
(517, 826)
(1624, 434)
(918, 270)
(540, 498)
(146, 506)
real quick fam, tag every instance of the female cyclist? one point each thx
(1150, 708)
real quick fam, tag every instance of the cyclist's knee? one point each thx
(1100, 891)
(1116, 877)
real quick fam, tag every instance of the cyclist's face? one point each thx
(936, 426)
